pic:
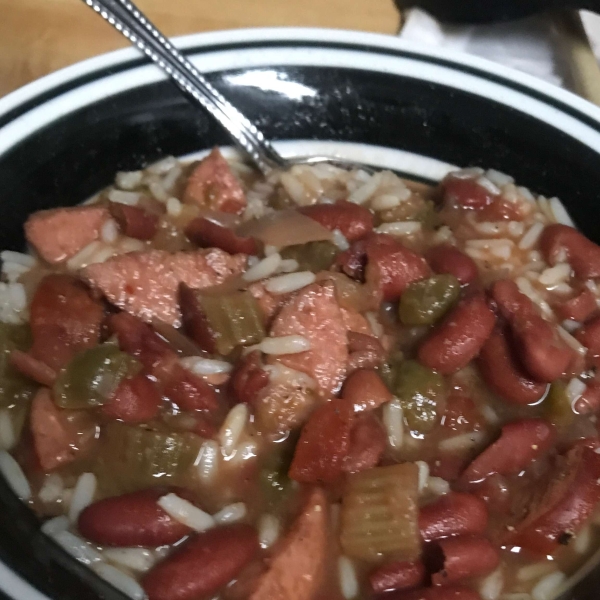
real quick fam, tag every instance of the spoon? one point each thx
(129, 20)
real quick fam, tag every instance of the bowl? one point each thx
(360, 96)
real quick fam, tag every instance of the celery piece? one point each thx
(313, 256)
(133, 458)
(219, 323)
(421, 392)
(557, 405)
(14, 387)
(92, 376)
(379, 517)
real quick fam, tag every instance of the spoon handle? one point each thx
(126, 18)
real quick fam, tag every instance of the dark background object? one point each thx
(485, 11)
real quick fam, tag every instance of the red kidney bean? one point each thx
(365, 352)
(189, 391)
(131, 520)
(352, 220)
(459, 337)
(353, 261)
(64, 320)
(391, 267)
(543, 354)
(465, 557)
(136, 400)
(589, 336)
(398, 575)
(496, 493)
(249, 378)
(519, 444)
(589, 401)
(582, 254)
(207, 234)
(324, 443)
(134, 221)
(437, 593)
(448, 259)
(367, 445)
(365, 390)
(466, 192)
(202, 565)
(503, 375)
(578, 308)
(33, 368)
(570, 500)
(453, 514)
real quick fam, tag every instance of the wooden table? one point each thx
(40, 36)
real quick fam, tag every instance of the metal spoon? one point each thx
(126, 18)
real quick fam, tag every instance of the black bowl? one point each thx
(363, 96)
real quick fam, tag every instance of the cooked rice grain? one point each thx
(185, 512)
(14, 476)
(120, 580)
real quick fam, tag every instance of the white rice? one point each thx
(123, 582)
(170, 179)
(393, 419)
(52, 488)
(284, 284)
(128, 180)
(400, 228)
(438, 486)
(526, 288)
(12, 272)
(423, 474)
(557, 274)
(365, 191)
(389, 201)
(185, 512)
(529, 240)
(547, 587)
(374, 324)
(348, 579)
(232, 428)
(560, 212)
(265, 268)
(109, 232)
(498, 178)
(487, 185)
(174, 207)
(123, 197)
(83, 257)
(286, 344)
(14, 476)
(208, 461)
(294, 188)
(77, 547)
(13, 302)
(83, 494)
(288, 265)
(136, 559)
(574, 390)
(231, 513)
(535, 571)
(489, 414)
(338, 238)
(269, 528)
(7, 433)
(583, 540)
(205, 366)
(468, 173)
(163, 165)
(571, 341)
(55, 525)
(516, 228)
(491, 587)
(18, 258)
(463, 441)
(570, 326)
(245, 450)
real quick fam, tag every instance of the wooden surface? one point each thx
(40, 36)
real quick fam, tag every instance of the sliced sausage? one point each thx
(64, 320)
(365, 390)
(203, 565)
(503, 374)
(453, 514)
(205, 233)
(60, 233)
(367, 445)
(365, 352)
(466, 192)
(560, 243)
(145, 284)
(298, 566)
(213, 185)
(448, 259)
(314, 313)
(459, 337)
(543, 353)
(398, 575)
(134, 221)
(519, 444)
(465, 558)
(136, 400)
(352, 220)
(131, 520)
